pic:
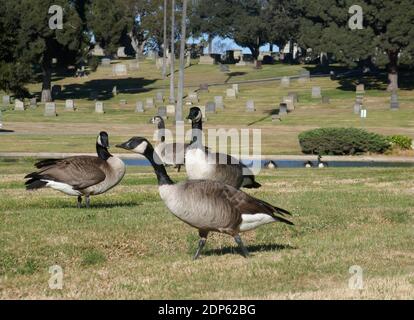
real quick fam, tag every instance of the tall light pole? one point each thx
(172, 65)
(164, 56)
(179, 110)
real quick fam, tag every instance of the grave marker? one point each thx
(50, 109)
(250, 107)
(115, 91)
(219, 102)
(159, 97)
(171, 109)
(326, 100)
(139, 108)
(283, 109)
(149, 103)
(395, 105)
(236, 88)
(18, 105)
(120, 70)
(123, 102)
(99, 107)
(289, 103)
(316, 92)
(295, 96)
(162, 112)
(69, 105)
(6, 100)
(106, 62)
(211, 107)
(33, 103)
(231, 94)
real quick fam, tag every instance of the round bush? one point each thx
(342, 141)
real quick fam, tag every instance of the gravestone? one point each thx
(123, 102)
(360, 89)
(295, 96)
(258, 65)
(120, 70)
(99, 107)
(283, 109)
(33, 103)
(106, 62)
(219, 102)
(193, 97)
(188, 61)
(285, 82)
(316, 92)
(139, 108)
(50, 109)
(206, 60)
(6, 100)
(159, 97)
(289, 103)
(326, 100)
(171, 109)
(236, 88)
(162, 112)
(241, 63)
(149, 103)
(250, 106)
(134, 66)
(211, 107)
(69, 105)
(357, 107)
(231, 94)
(121, 52)
(204, 87)
(224, 68)
(115, 91)
(395, 105)
(18, 105)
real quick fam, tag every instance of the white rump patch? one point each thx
(62, 187)
(253, 221)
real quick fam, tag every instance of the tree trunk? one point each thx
(255, 52)
(179, 110)
(164, 54)
(47, 82)
(172, 65)
(393, 70)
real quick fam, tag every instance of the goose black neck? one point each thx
(197, 128)
(162, 176)
(102, 152)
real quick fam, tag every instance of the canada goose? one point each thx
(80, 176)
(308, 164)
(209, 206)
(201, 164)
(321, 164)
(271, 165)
(169, 153)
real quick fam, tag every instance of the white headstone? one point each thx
(18, 105)
(250, 107)
(99, 107)
(159, 97)
(120, 70)
(69, 105)
(50, 109)
(219, 102)
(6, 100)
(115, 91)
(170, 109)
(285, 82)
(106, 62)
(139, 107)
(121, 52)
(33, 103)
(289, 103)
(316, 92)
(236, 88)
(231, 94)
(149, 103)
(206, 60)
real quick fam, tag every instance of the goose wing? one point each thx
(79, 172)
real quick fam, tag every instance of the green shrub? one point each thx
(402, 142)
(342, 141)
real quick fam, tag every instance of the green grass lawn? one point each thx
(129, 246)
(76, 131)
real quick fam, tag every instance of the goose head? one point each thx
(195, 115)
(137, 145)
(158, 121)
(103, 140)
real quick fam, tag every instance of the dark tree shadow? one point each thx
(252, 249)
(102, 88)
(234, 74)
(270, 113)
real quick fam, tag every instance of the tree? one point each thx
(39, 44)
(387, 31)
(14, 72)
(109, 21)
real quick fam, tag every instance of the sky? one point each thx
(220, 45)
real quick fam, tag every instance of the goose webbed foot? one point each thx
(201, 244)
(79, 204)
(243, 249)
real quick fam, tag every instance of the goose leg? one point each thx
(178, 168)
(201, 244)
(88, 202)
(79, 202)
(239, 241)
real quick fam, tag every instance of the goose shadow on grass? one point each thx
(251, 248)
(270, 113)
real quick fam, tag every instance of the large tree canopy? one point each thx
(387, 31)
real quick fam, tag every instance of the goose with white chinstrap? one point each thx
(209, 206)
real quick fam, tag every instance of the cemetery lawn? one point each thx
(129, 246)
(76, 131)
